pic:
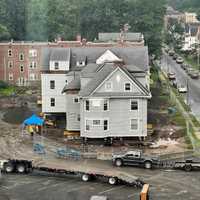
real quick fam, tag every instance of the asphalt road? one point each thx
(164, 185)
(170, 65)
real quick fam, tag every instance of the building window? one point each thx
(21, 56)
(105, 125)
(76, 100)
(105, 105)
(33, 65)
(78, 118)
(52, 84)
(21, 68)
(9, 53)
(134, 105)
(108, 86)
(32, 77)
(134, 124)
(52, 102)
(80, 63)
(66, 81)
(96, 102)
(10, 77)
(32, 53)
(127, 87)
(96, 122)
(10, 64)
(87, 105)
(56, 65)
(87, 125)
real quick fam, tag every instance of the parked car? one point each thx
(171, 76)
(194, 74)
(134, 158)
(189, 70)
(182, 89)
(175, 56)
(171, 53)
(179, 60)
(99, 197)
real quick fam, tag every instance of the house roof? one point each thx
(102, 74)
(60, 54)
(73, 85)
(119, 94)
(116, 36)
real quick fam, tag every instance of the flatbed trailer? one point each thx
(86, 174)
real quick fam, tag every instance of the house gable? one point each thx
(108, 56)
(119, 82)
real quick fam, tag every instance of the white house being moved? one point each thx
(103, 91)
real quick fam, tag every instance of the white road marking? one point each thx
(111, 189)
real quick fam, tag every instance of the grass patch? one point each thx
(7, 91)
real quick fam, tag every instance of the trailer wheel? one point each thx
(112, 181)
(148, 165)
(21, 168)
(85, 177)
(8, 167)
(188, 168)
(118, 162)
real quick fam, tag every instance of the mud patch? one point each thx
(16, 115)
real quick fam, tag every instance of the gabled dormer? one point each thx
(108, 57)
(59, 59)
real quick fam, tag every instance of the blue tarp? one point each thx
(34, 120)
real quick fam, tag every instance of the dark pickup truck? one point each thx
(134, 158)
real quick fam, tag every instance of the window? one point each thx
(134, 105)
(108, 86)
(134, 124)
(76, 100)
(56, 65)
(52, 84)
(21, 56)
(66, 81)
(96, 122)
(10, 77)
(52, 102)
(32, 76)
(32, 53)
(127, 86)
(10, 64)
(87, 105)
(10, 53)
(87, 125)
(21, 68)
(33, 65)
(80, 63)
(78, 118)
(105, 125)
(105, 105)
(96, 102)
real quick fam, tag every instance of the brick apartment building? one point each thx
(20, 62)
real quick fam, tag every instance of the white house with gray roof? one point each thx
(106, 92)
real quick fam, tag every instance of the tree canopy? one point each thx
(46, 19)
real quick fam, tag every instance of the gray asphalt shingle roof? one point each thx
(60, 54)
(73, 85)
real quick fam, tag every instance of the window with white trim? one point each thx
(52, 102)
(10, 77)
(32, 53)
(134, 124)
(87, 125)
(33, 65)
(96, 102)
(52, 84)
(134, 105)
(32, 77)
(21, 68)
(78, 118)
(108, 86)
(56, 65)
(21, 57)
(87, 105)
(105, 125)
(10, 64)
(9, 52)
(127, 87)
(76, 100)
(96, 122)
(105, 105)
